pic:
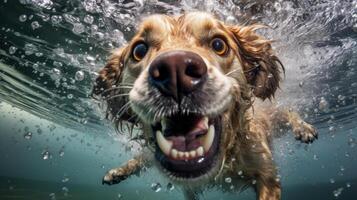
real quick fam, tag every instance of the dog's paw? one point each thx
(114, 176)
(305, 132)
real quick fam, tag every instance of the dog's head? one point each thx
(188, 80)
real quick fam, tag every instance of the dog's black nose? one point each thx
(176, 73)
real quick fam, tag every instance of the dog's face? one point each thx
(182, 78)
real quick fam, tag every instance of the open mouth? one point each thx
(187, 144)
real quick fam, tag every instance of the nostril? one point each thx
(160, 73)
(195, 70)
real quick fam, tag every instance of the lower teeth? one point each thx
(166, 146)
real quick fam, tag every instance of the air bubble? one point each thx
(228, 180)
(156, 187)
(46, 155)
(170, 187)
(78, 28)
(70, 96)
(352, 142)
(57, 64)
(52, 196)
(342, 168)
(28, 135)
(22, 18)
(47, 4)
(341, 97)
(61, 153)
(38, 54)
(119, 196)
(12, 50)
(56, 19)
(316, 157)
(332, 180)
(79, 76)
(35, 25)
(65, 179)
(89, 58)
(337, 192)
(56, 71)
(65, 191)
(277, 6)
(323, 104)
(88, 19)
(30, 49)
(301, 84)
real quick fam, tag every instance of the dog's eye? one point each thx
(219, 46)
(139, 51)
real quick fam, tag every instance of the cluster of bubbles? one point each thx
(156, 187)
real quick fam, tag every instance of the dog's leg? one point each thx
(121, 173)
(302, 130)
(257, 162)
(268, 190)
(260, 167)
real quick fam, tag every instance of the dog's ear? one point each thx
(110, 75)
(261, 66)
(107, 88)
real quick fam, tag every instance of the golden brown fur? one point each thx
(250, 70)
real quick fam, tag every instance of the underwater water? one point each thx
(56, 144)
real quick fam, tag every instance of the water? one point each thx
(54, 143)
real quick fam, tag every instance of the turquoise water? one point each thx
(55, 144)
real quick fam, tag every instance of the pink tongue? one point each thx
(188, 141)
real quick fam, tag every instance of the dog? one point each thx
(194, 86)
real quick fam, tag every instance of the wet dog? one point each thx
(193, 85)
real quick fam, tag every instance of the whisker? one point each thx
(122, 110)
(115, 88)
(232, 72)
(115, 96)
(134, 116)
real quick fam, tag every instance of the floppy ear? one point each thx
(107, 87)
(261, 66)
(110, 75)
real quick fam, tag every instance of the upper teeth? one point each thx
(207, 140)
(166, 145)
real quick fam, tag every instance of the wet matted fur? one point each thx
(237, 81)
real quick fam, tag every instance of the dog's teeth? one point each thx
(174, 153)
(208, 139)
(205, 120)
(192, 154)
(163, 124)
(187, 155)
(164, 144)
(181, 154)
(199, 151)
